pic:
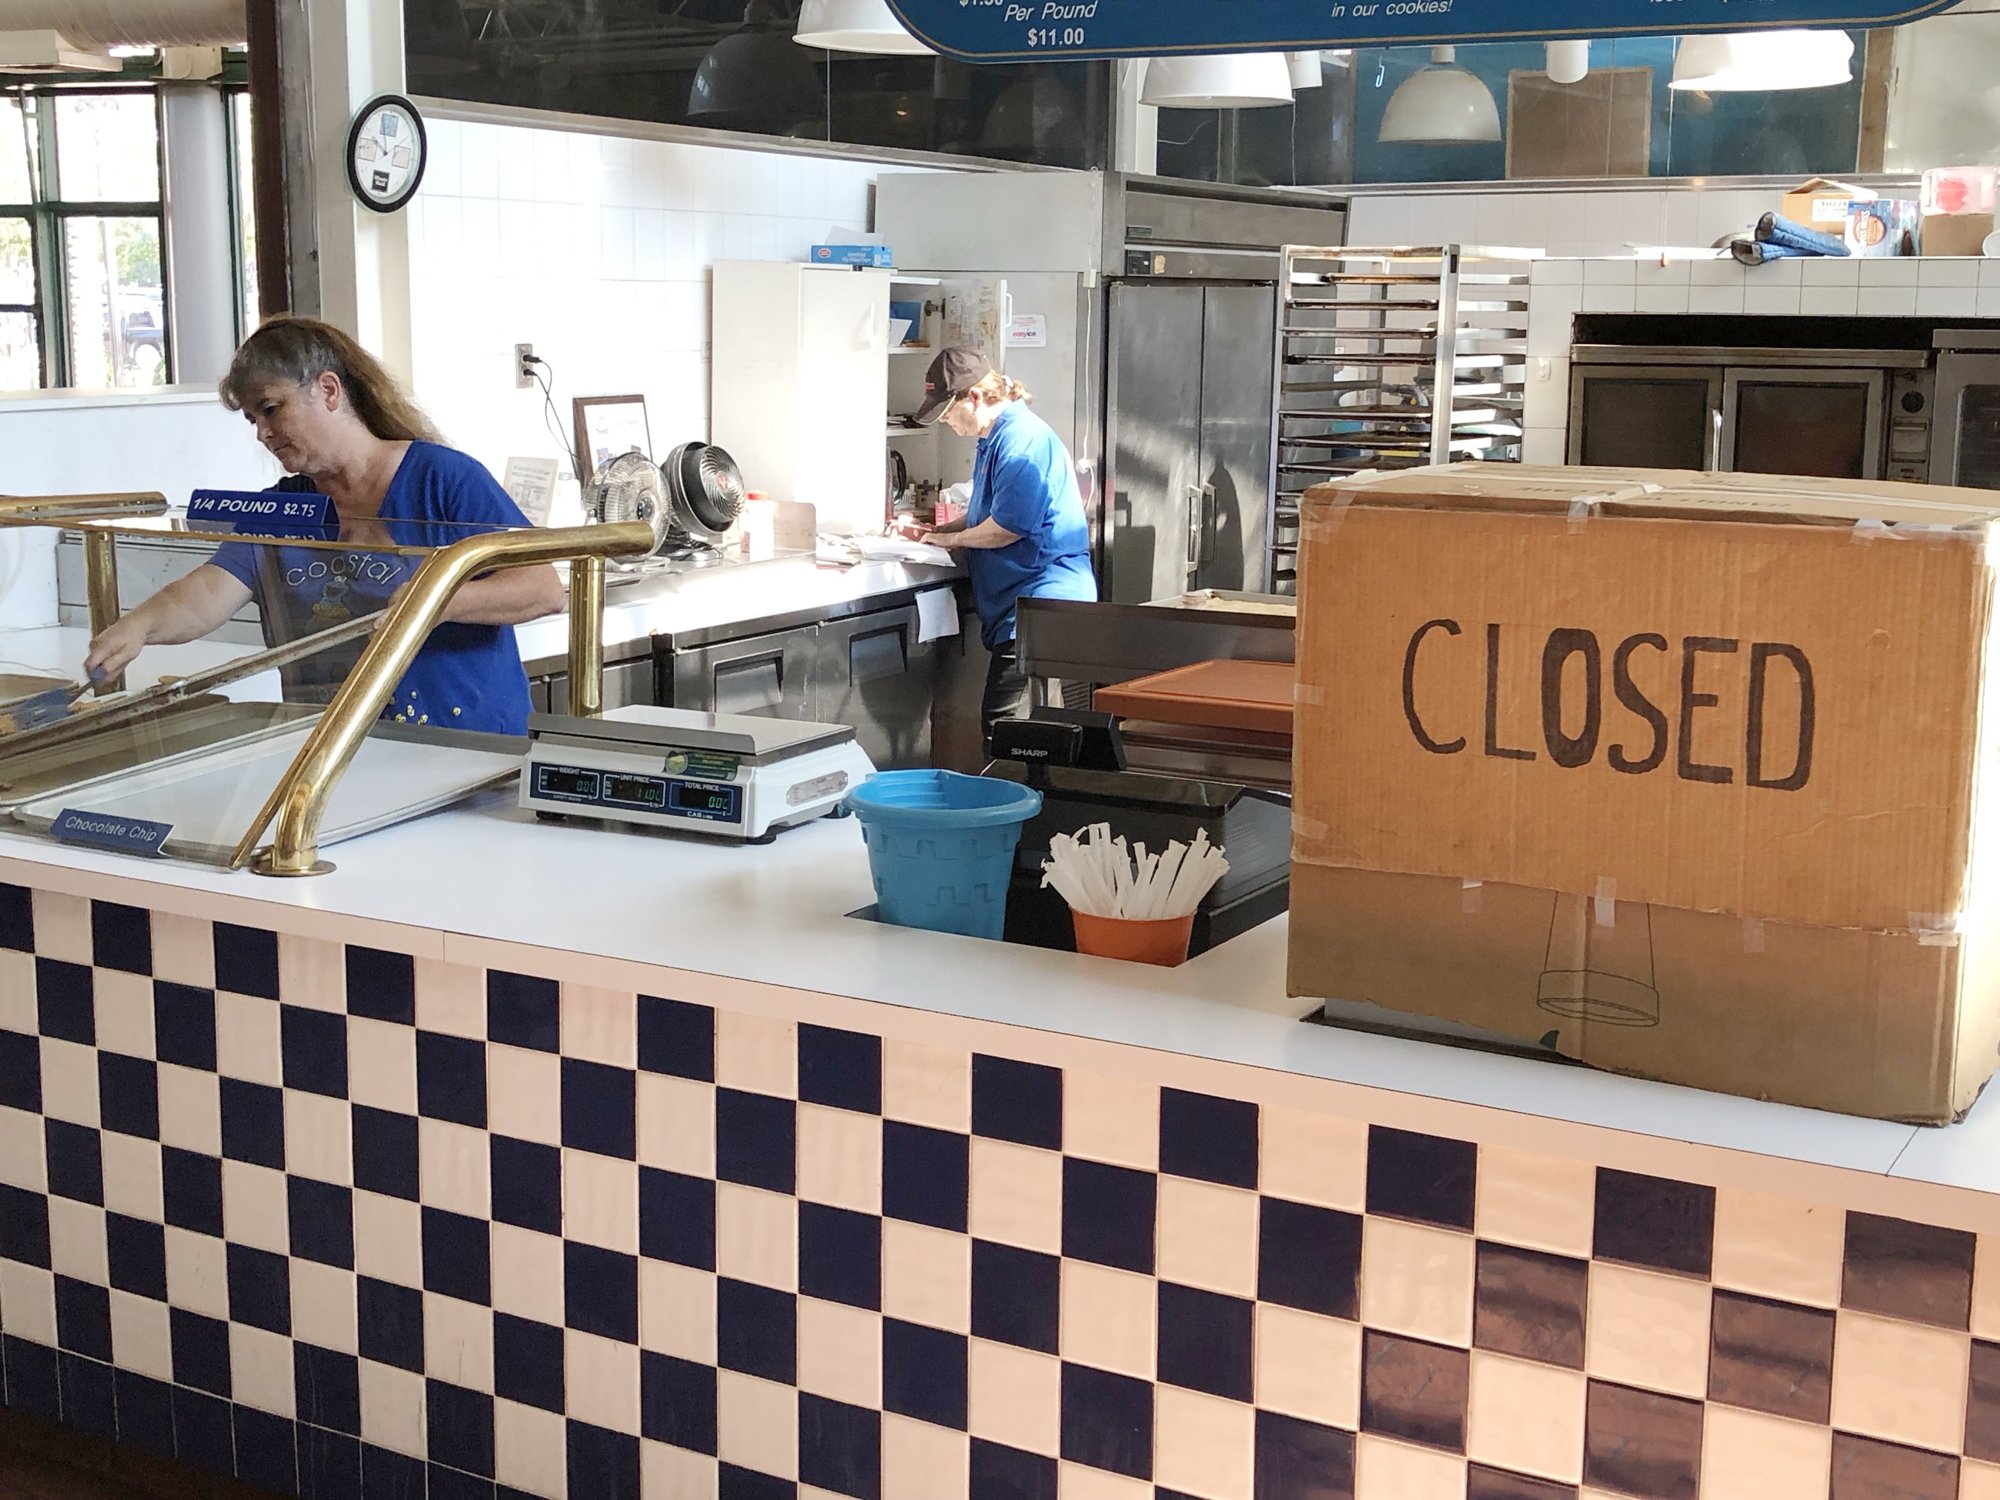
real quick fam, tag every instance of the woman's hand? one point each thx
(113, 651)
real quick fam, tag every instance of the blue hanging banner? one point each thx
(1074, 30)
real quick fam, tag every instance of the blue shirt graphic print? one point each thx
(465, 676)
(1023, 480)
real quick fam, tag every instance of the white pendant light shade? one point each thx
(1757, 61)
(1568, 62)
(1304, 68)
(855, 26)
(1237, 80)
(1440, 105)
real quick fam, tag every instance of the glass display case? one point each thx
(327, 732)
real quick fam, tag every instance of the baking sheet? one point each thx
(210, 800)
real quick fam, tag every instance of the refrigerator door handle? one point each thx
(1197, 514)
(1207, 544)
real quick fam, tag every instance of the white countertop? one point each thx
(58, 651)
(775, 915)
(705, 598)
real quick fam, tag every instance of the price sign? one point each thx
(110, 831)
(1017, 30)
(285, 512)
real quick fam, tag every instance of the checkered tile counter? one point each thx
(348, 1223)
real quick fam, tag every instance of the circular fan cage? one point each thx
(706, 488)
(630, 488)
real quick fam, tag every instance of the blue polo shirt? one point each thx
(464, 676)
(1023, 480)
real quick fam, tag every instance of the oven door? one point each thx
(1644, 416)
(1827, 423)
(1965, 430)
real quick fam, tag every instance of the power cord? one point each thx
(544, 377)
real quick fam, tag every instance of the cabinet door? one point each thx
(769, 676)
(840, 408)
(1229, 534)
(1153, 398)
(871, 673)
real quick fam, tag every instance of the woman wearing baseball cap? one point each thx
(1024, 533)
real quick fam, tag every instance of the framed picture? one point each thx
(607, 426)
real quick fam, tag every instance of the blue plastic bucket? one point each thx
(941, 846)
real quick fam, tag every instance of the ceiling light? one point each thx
(1236, 80)
(1304, 68)
(1757, 61)
(856, 26)
(1440, 105)
(1568, 62)
(756, 74)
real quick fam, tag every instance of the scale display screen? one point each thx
(636, 791)
(567, 782)
(720, 804)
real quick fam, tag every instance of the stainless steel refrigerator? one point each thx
(1188, 428)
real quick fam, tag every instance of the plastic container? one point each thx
(941, 847)
(1164, 942)
(1959, 190)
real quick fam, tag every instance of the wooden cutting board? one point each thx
(1254, 695)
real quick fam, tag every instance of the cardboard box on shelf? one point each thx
(1821, 203)
(1955, 234)
(1882, 227)
(1708, 749)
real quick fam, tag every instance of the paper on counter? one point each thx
(937, 615)
(531, 484)
(900, 549)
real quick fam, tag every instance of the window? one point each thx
(732, 65)
(243, 202)
(82, 293)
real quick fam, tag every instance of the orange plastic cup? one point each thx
(1164, 943)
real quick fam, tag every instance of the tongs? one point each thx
(172, 690)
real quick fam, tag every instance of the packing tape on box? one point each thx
(1870, 529)
(1935, 929)
(1470, 894)
(1605, 902)
(1323, 518)
(1582, 509)
(1307, 694)
(1307, 828)
(1753, 934)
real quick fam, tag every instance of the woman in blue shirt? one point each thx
(327, 410)
(1024, 533)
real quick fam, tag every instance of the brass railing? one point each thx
(299, 800)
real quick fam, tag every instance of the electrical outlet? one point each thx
(524, 367)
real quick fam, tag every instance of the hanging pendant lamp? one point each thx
(1440, 105)
(1304, 68)
(1568, 62)
(1235, 80)
(755, 74)
(856, 26)
(1760, 61)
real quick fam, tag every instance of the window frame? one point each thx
(48, 215)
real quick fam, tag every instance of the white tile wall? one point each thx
(1581, 223)
(595, 249)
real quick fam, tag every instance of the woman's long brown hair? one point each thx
(297, 351)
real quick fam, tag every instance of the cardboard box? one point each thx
(1955, 234)
(853, 255)
(1882, 227)
(1641, 710)
(1821, 203)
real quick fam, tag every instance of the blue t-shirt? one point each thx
(464, 676)
(1023, 480)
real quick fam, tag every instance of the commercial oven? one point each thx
(1832, 413)
(1965, 439)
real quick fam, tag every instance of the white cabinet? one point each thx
(800, 384)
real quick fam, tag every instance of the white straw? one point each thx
(1103, 876)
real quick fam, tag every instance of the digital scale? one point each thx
(724, 775)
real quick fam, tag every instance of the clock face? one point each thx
(385, 153)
